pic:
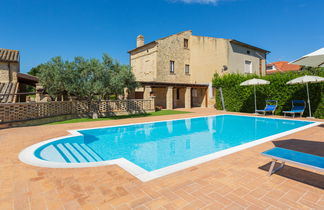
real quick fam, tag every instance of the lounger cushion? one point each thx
(294, 111)
(268, 108)
(297, 157)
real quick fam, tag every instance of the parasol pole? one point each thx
(255, 106)
(309, 105)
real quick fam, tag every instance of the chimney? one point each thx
(139, 41)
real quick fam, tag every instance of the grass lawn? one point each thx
(158, 113)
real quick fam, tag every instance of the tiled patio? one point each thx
(231, 182)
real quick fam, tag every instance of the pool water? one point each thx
(160, 144)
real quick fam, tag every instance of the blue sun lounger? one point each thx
(270, 107)
(298, 107)
(299, 158)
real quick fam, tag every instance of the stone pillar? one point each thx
(169, 98)
(147, 92)
(188, 98)
(204, 95)
(153, 102)
(39, 93)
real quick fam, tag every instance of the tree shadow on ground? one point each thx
(298, 174)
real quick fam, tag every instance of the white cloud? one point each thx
(197, 1)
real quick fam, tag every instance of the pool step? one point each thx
(77, 153)
(91, 152)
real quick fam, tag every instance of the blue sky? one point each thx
(42, 29)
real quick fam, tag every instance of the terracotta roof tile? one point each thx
(283, 66)
(9, 55)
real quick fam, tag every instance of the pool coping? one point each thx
(27, 155)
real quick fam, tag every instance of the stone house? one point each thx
(12, 82)
(178, 69)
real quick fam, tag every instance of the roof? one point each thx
(27, 78)
(248, 45)
(9, 55)
(143, 46)
(283, 66)
(231, 40)
(154, 42)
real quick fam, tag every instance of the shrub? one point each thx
(241, 99)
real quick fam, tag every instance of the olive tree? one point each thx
(87, 79)
(54, 77)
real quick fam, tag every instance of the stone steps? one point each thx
(76, 153)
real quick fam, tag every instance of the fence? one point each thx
(13, 112)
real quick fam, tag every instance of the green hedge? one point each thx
(241, 99)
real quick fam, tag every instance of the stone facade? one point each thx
(172, 49)
(160, 96)
(183, 60)
(13, 83)
(8, 71)
(144, 63)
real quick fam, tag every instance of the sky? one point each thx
(42, 29)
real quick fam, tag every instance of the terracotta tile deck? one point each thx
(231, 182)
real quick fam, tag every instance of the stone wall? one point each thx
(8, 71)
(143, 62)
(4, 72)
(14, 112)
(179, 103)
(198, 97)
(172, 49)
(160, 96)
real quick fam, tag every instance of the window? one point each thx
(186, 43)
(248, 52)
(187, 69)
(178, 93)
(248, 67)
(172, 67)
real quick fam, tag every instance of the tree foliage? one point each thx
(35, 71)
(241, 99)
(86, 79)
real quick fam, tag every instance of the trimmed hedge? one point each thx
(241, 99)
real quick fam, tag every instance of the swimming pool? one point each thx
(150, 150)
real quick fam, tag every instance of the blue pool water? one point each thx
(156, 145)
